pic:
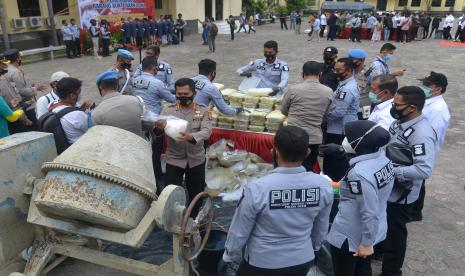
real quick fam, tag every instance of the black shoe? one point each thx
(71, 57)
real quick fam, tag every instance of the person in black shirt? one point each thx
(232, 25)
(435, 25)
(327, 76)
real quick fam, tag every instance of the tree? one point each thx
(295, 5)
(254, 6)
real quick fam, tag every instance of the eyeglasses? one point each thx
(396, 104)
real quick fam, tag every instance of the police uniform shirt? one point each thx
(181, 154)
(362, 80)
(152, 91)
(17, 79)
(361, 218)
(282, 218)
(271, 75)
(121, 111)
(381, 114)
(437, 114)
(418, 134)
(124, 81)
(165, 74)
(207, 92)
(345, 106)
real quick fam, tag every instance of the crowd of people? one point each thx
(379, 141)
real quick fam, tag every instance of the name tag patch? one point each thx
(385, 175)
(408, 132)
(355, 187)
(141, 84)
(419, 150)
(285, 68)
(169, 71)
(199, 84)
(341, 95)
(294, 198)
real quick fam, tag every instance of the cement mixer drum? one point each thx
(106, 178)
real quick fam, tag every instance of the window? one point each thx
(436, 3)
(416, 3)
(402, 3)
(60, 7)
(158, 4)
(311, 3)
(450, 3)
(28, 8)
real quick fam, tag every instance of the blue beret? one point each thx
(125, 54)
(357, 54)
(107, 75)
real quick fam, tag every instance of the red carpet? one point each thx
(451, 43)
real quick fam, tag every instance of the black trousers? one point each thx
(395, 244)
(232, 32)
(309, 162)
(77, 43)
(457, 33)
(242, 26)
(18, 127)
(195, 181)
(245, 269)
(70, 48)
(434, 29)
(335, 166)
(417, 206)
(355, 34)
(283, 24)
(346, 264)
(139, 41)
(105, 47)
(399, 34)
(425, 31)
(332, 32)
(180, 33)
(447, 33)
(322, 30)
(157, 148)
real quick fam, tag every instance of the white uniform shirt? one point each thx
(75, 123)
(437, 114)
(449, 21)
(323, 20)
(44, 102)
(381, 114)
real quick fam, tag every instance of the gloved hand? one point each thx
(330, 149)
(248, 75)
(222, 267)
(275, 91)
(239, 110)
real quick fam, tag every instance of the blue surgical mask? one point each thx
(388, 58)
(426, 90)
(373, 97)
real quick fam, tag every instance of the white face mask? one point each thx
(347, 146)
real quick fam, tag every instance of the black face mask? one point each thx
(340, 76)
(398, 114)
(185, 101)
(270, 58)
(329, 60)
(275, 163)
(127, 66)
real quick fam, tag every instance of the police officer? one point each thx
(207, 92)
(122, 111)
(361, 219)
(343, 109)
(153, 92)
(26, 91)
(185, 155)
(123, 67)
(327, 76)
(358, 56)
(273, 72)
(281, 217)
(165, 71)
(411, 128)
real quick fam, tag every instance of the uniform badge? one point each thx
(419, 150)
(161, 66)
(252, 62)
(385, 175)
(285, 68)
(169, 71)
(408, 132)
(341, 95)
(355, 187)
(199, 84)
(294, 198)
(277, 66)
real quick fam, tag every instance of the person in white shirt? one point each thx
(68, 39)
(75, 123)
(323, 24)
(436, 110)
(437, 114)
(383, 89)
(44, 101)
(448, 25)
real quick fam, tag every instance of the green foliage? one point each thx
(295, 5)
(253, 6)
(280, 9)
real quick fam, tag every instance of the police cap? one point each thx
(357, 54)
(108, 75)
(330, 50)
(11, 54)
(125, 54)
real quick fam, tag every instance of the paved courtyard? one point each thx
(436, 246)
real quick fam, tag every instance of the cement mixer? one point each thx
(103, 188)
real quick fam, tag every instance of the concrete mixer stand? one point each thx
(81, 240)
